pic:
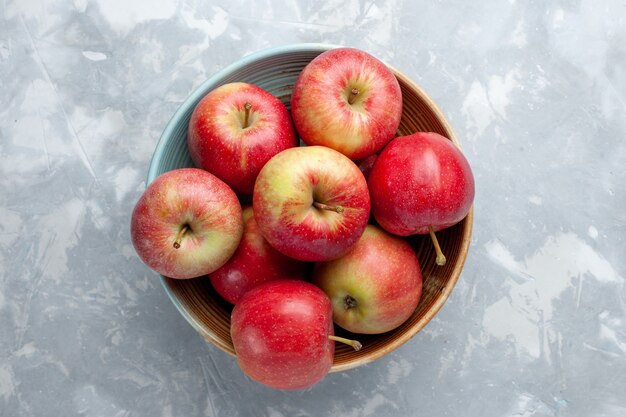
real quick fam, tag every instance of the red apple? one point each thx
(376, 286)
(255, 261)
(187, 223)
(311, 203)
(419, 184)
(347, 100)
(283, 334)
(235, 129)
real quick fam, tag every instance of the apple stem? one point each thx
(322, 206)
(246, 116)
(179, 236)
(441, 259)
(353, 93)
(354, 343)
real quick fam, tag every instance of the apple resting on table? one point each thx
(235, 129)
(187, 223)
(311, 203)
(347, 100)
(419, 184)
(376, 286)
(255, 261)
(283, 334)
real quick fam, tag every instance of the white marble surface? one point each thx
(536, 91)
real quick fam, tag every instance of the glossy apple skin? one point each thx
(219, 143)
(280, 334)
(284, 194)
(381, 273)
(420, 180)
(321, 111)
(255, 261)
(193, 197)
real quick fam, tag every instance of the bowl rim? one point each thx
(201, 90)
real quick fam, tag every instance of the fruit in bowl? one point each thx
(348, 100)
(235, 129)
(186, 224)
(276, 71)
(311, 203)
(420, 184)
(376, 286)
(254, 262)
(283, 334)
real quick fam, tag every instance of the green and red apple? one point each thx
(187, 223)
(347, 100)
(311, 203)
(376, 286)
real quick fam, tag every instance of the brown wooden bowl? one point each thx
(276, 70)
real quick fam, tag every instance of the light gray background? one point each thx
(536, 91)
